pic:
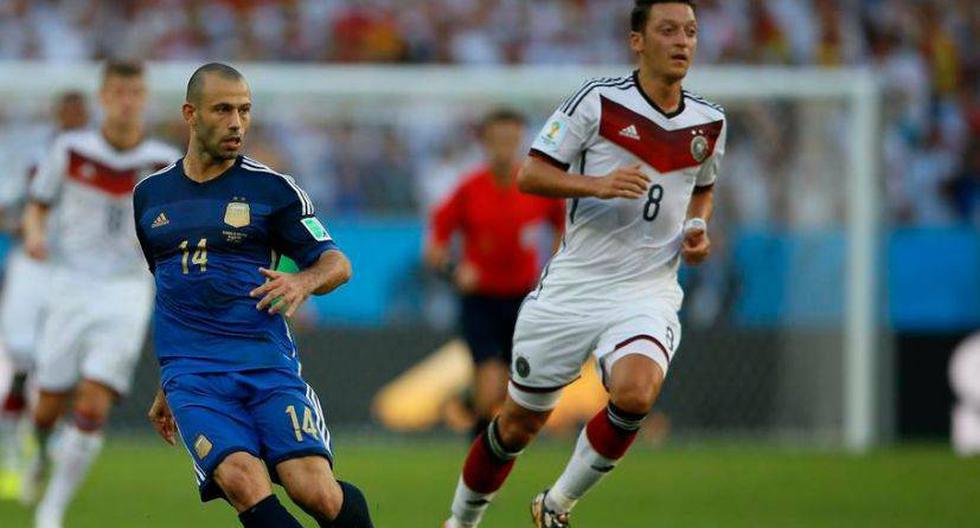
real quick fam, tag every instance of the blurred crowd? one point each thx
(923, 51)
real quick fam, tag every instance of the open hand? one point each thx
(162, 419)
(291, 290)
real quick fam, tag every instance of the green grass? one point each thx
(141, 484)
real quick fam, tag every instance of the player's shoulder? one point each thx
(79, 138)
(275, 183)
(154, 179)
(593, 88)
(710, 109)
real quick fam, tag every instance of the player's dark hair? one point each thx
(195, 86)
(121, 68)
(502, 115)
(641, 12)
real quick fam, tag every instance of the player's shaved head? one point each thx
(195, 86)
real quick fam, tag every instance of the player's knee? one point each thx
(321, 499)
(242, 478)
(516, 432)
(635, 398)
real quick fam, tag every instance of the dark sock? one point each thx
(268, 513)
(479, 428)
(354, 510)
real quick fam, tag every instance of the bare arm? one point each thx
(35, 232)
(328, 273)
(544, 179)
(702, 204)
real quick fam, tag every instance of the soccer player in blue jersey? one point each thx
(213, 226)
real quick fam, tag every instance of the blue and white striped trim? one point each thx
(304, 199)
(198, 472)
(321, 423)
(157, 173)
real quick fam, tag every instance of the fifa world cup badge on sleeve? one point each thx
(316, 229)
(238, 214)
(553, 134)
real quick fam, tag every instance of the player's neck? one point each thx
(122, 136)
(201, 166)
(665, 92)
(503, 173)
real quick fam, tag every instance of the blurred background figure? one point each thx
(964, 377)
(24, 291)
(500, 233)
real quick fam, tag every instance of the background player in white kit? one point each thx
(101, 295)
(612, 289)
(21, 301)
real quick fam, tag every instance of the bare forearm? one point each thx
(538, 177)
(35, 219)
(702, 205)
(328, 273)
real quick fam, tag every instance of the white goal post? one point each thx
(33, 84)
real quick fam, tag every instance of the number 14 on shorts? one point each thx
(308, 425)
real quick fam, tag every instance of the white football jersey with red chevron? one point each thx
(89, 185)
(626, 249)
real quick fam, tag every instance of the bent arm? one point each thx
(542, 178)
(702, 203)
(328, 273)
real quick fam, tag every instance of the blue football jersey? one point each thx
(204, 243)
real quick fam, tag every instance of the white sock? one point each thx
(71, 461)
(468, 506)
(585, 469)
(10, 459)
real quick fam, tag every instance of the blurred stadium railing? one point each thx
(782, 336)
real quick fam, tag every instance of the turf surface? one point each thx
(142, 484)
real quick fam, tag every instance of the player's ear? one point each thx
(636, 41)
(189, 112)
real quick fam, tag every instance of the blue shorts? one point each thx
(270, 413)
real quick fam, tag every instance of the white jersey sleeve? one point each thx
(708, 173)
(50, 173)
(571, 128)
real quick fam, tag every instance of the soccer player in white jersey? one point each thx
(637, 157)
(20, 306)
(80, 220)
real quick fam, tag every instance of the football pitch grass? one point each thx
(142, 483)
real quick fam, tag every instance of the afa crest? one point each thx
(238, 214)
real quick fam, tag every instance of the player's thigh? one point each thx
(651, 330)
(288, 416)
(21, 304)
(212, 423)
(550, 346)
(60, 343)
(113, 342)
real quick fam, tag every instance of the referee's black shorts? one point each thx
(487, 323)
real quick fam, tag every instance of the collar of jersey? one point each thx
(668, 115)
(180, 165)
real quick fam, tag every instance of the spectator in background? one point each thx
(500, 261)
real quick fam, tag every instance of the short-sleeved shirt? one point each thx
(622, 249)
(204, 243)
(497, 223)
(89, 185)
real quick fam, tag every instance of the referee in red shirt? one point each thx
(500, 261)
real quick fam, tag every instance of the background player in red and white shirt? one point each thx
(101, 295)
(643, 155)
(500, 261)
(21, 301)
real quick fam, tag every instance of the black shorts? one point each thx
(487, 323)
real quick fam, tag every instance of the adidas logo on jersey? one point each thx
(161, 220)
(630, 132)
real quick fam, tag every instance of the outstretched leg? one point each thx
(634, 384)
(493, 453)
